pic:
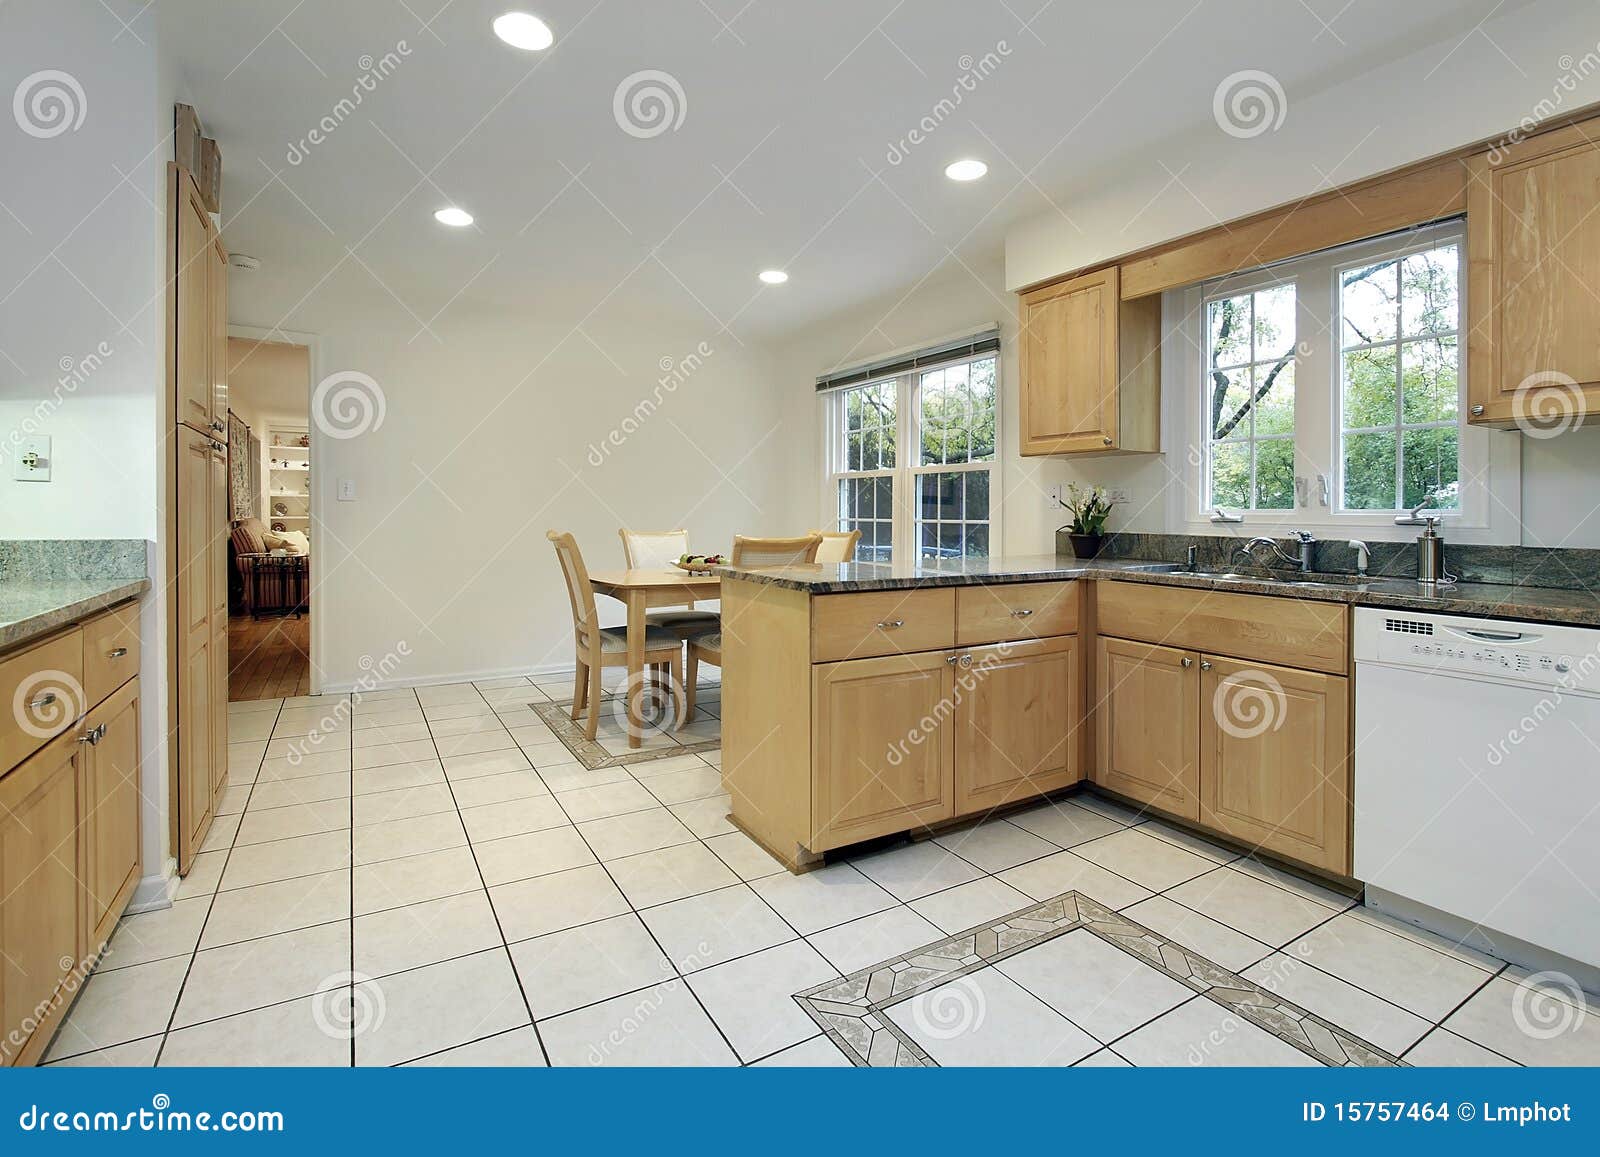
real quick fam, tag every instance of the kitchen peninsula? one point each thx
(866, 700)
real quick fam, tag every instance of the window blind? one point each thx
(986, 341)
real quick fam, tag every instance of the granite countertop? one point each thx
(1539, 604)
(30, 609)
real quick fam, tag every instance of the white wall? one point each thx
(485, 444)
(81, 320)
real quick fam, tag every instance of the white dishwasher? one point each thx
(1477, 776)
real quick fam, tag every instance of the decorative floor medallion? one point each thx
(850, 1010)
(558, 716)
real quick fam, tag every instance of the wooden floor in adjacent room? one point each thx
(269, 658)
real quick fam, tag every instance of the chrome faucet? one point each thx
(1306, 548)
(1363, 556)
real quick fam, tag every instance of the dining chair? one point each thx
(660, 550)
(598, 647)
(703, 648)
(837, 546)
(774, 551)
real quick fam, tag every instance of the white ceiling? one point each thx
(781, 158)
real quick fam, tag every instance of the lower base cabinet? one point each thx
(1274, 759)
(905, 741)
(40, 902)
(69, 863)
(1253, 751)
(1147, 724)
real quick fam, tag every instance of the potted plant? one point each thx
(1089, 507)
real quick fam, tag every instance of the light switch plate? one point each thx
(1117, 495)
(31, 459)
(1053, 497)
(347, 490)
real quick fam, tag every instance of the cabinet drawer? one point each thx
(45, 683)
(110, 651)
(1294, 632)
(1015, 612)
(861, 626)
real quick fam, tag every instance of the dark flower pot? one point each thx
(1086, 545)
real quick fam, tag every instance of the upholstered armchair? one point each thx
(277, 584)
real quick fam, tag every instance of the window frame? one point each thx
(1489, 460)
(906, 474)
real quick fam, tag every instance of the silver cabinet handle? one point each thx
(44, 700)
(1107, 439)
(892, 625)
(1476, 410)
(964, 661)
(951, 659)
(1186, 662)
(117, 653)
(1205, 664)
(1021, 614)
(93, 736)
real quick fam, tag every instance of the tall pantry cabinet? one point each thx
(197, 343)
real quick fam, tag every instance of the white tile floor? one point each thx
(438, 881)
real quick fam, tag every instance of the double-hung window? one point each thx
(1328, 392)
(910, 458)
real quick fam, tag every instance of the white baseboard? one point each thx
(155, 892)
(453, 677)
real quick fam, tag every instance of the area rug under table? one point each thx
(557, 716)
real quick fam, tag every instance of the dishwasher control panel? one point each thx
(1538, 653)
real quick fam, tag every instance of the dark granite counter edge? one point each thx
(34, 626)
(1575, 608)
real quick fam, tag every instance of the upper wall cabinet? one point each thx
(1533, 290)
(201, 319)
(1091, 368)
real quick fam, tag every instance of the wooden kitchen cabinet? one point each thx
(1091, 368)
(40, 903)
(217, 569)
(1274, 756)
(1147, 724)
(884, 757)
(197, 689)
(110, 831)
(1533, 246)
(194, 257)
(1018, 708)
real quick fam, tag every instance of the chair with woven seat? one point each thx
(837, 546)
(706, 647)
(774, 551)
(598, 647)
(659, 550)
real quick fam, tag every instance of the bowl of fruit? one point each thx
(700, 563)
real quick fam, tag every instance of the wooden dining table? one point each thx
(639, 590)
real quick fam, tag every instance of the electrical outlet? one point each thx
(1117, 494)
(347, 490)
(31, 458)
(1052, 498)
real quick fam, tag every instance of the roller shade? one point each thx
(987, 341)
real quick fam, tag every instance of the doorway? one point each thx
(269, 490)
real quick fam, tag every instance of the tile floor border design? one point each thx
(557, 717)
(851, 1010)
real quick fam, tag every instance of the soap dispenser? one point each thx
(1430, 555)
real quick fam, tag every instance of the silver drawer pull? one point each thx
(1021, 614)
(117, 654)
(1205, 664)
(1186, 662)
(44, 700)
(892, 625)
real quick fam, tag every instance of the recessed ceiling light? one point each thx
(520, 30)
(967, 170)
(774, 276)
(450, 215)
